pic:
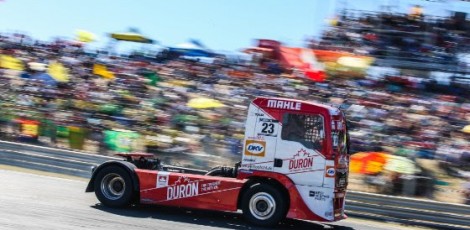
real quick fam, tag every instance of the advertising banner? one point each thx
(121, 140)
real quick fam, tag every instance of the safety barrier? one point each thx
(408, 211)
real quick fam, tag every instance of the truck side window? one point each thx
(305, 129)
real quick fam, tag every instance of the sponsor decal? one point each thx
(246, 171)
(341, 182)
(258, 167)
(182, 188)
(277, 104)
(255, 148)
(259, 138)
(343, 160)
(319, 195)
(210, 186)
(259, 114)
(302, 161)
(268, 120)
(328, 214)
(330, 171)
(162, 179)
(249, 160)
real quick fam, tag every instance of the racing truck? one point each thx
(294, 164)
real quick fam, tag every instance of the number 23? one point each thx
(268, 128)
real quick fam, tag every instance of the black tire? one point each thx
(264, 205)
(113, 187)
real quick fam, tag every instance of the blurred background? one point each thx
(400, 70)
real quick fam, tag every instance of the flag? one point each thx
(85, 36)
(153, 77)
(58, 72)
(102, 71)
(9, 62)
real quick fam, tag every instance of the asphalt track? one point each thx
(29, 200)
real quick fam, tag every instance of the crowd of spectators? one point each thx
(414, 37)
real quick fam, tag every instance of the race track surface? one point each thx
(33, 201)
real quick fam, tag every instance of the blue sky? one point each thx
(219, 24)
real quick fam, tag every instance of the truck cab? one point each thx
(304, 141)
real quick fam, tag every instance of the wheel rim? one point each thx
(113, 186)
(262, 206)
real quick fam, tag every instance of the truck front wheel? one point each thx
(113, 186)
(263, 205)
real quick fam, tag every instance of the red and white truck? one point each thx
(294, 164)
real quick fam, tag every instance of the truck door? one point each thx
(300, 147)
(303, 149)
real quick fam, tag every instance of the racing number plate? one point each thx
(267, 127)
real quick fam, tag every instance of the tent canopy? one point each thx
(188, 45)
(192, 49)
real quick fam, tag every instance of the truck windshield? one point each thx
(305, 129)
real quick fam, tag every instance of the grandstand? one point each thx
(412, 42)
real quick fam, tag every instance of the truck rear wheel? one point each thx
(263, 205)
(113, 187)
